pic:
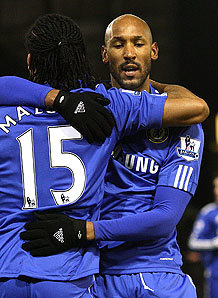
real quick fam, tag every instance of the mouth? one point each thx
(130, 70)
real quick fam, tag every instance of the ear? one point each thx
(28, 60)
(104, 54)
(154, 51)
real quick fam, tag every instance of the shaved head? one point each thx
(126, 20)
(129, 50)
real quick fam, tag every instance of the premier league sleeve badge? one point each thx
(189, 148)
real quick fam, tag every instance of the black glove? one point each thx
(52, 234)
(86, 112)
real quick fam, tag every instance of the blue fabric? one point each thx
(158, 222)
(46, 164)
(17, 91)
(212, 287)
(164, 285)
(141, 164)
(206, 228)
(24, 288)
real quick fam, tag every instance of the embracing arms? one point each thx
(159, 222)
(84, 111)
(182, 107)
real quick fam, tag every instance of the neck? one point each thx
(145, 86)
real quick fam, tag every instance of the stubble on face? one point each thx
(135, 52)
(131, 83)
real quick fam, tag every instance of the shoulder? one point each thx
(190, 135)
(185, 129)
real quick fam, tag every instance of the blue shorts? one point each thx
(32, 288)
(162, 285)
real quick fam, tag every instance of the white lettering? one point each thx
(50, 112)
(41, 111)
(21, 112)
(142, 164)
(132, 159)
(153, 168)
(37, 111)
(8, 120)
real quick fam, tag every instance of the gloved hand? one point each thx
(86, 112)
(52, 234)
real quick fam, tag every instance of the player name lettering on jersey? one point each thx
(20, 113)
(141, 164)
(41, 111)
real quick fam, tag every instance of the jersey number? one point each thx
(58, 158)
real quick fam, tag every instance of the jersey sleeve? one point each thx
(181, 167)
(16, 91)
(158, 222)
(134, 110)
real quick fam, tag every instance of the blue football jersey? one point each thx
(141, 162)
(204, 230)
(47, 164)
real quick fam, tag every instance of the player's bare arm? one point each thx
(90, 231)
(182, 107)
(50, 97)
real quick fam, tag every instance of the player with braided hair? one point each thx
(57, 233)
(57, 56)
(46, 164)
(58, 52)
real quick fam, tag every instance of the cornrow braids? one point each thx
(58, 54)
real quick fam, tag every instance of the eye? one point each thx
(118, 46)
(139, 44)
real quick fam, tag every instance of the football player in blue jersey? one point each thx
(150, 180)
(204, 238)
(48, 164)
(144, 161)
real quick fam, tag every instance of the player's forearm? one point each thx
(182, 107)
(159, 222)
(149, 225)
(15, 91)
(50, 97)
(90, 231)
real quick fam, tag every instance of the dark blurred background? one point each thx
(186, 32)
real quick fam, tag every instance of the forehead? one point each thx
(129, 28)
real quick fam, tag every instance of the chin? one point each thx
(130, 85)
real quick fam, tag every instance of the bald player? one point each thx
(129, 51)
(125, 38)
(150, 180)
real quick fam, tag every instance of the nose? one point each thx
(129, 52)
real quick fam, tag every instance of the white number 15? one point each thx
(58, 159)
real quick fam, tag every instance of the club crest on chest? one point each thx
(157, 135)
